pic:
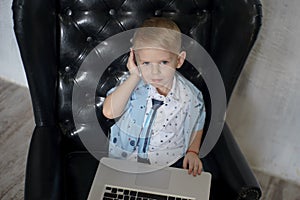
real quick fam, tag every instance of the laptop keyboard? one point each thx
(114, 192)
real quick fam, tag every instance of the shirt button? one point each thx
(124, 154)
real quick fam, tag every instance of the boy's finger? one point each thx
(131, 52)
(191, 167)
(196, 167)
(200, 167)
(199, 170)
(130, 62)
(130, 56)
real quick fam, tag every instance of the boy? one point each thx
(159, 114)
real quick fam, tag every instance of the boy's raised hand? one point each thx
(131, 66)
(193, 163)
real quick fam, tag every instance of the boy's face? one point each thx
(158, 67)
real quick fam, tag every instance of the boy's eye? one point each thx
(164, 62)
(146, 63)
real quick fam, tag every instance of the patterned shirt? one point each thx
(171, 125)
(167, 139)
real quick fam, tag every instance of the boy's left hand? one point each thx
(194, 163)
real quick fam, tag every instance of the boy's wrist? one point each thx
(135, 73)
(192, 151)
(135, 76)
(134, 79)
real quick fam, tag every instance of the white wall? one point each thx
(11, 67)
(264, 112)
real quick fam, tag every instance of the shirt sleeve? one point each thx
(121, 80)
(202, 112)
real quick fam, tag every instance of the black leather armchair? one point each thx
(54, 37)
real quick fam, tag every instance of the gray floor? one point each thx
(16, 125)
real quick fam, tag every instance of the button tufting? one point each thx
(89, 39)
(157, 13)
(112, 11)
(67, 68)
(69, 12)
(202, 12)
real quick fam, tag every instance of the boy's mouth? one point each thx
(156, 80)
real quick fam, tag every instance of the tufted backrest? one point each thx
(227, 29)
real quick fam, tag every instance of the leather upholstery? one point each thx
(55, 37)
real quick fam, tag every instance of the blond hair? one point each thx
(159, 33)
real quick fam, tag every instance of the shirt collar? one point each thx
(173, 95)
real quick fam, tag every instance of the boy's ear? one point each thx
(180, 59)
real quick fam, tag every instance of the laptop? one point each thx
(124, 179)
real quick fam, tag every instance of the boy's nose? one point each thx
(155, 68)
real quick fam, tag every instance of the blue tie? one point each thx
(144, 139)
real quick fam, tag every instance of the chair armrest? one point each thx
(44, 176)
(36, 34)
(229, 168)
(236, 25)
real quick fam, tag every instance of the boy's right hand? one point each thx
(131, 66)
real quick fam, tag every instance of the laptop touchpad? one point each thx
(156, 179)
